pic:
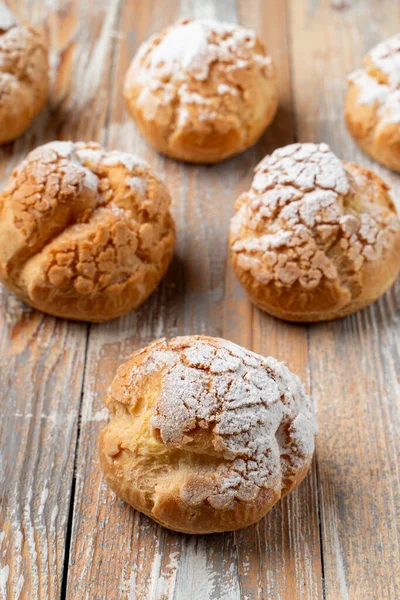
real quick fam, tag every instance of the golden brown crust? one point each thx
(314, 238)
(372, 106)
(24, 79)
(86, 234)
(202, 90)
(204, 435)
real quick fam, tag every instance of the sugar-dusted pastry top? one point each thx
(227, 422)
(192, 47)
(206, 76)
(379, 79)
(79, 221)
(23, 74)
(310, 217)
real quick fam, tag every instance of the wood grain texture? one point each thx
(155, 563)
(354, 362)
(43, 359)
(40, 390)
(280, 556)
(336, 537)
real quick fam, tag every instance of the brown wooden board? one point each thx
(63, 533)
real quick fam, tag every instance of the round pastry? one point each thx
(204, 435)
(315, 238)
(372, 107)
(85, 234)
(202, 90)
(24, 79)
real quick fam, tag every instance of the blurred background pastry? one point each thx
(24, 79)
(202, 90)
(372, 107)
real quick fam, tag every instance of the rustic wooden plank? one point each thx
(354, 362)
(42, 359)
(177, 566)
(41, 375)
(115, 552)
(147, 561)
(280, 556)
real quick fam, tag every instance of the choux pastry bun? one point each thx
(202, 90)
(315, 238)
(85, 233)
(204, 435)
(24, 79)
(372, 107)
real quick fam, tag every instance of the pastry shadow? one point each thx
(279, 133)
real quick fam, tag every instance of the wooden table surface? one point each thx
(63, 533)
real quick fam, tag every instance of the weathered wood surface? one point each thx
(354, 363)
(63, 532)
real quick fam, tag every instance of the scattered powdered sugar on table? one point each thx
(13, 308)
(4, 571)
(385, 57)
(295, 212)
(260, 416)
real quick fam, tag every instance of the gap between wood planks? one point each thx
(68, 533)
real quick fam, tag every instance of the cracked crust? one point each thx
(372, 107)
(204, 435)
(314, 238)
(24, 77)
(202, 90)
(86, 234)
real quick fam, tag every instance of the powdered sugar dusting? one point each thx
(385, 94)
(130, 161)
(82, 155)
(193, 46)
(186, 47)
(305, 166)
(386, 56)
(67, 151)
(227, 89)
(258, 411)
(64, 149)
(7, 18)
(391, 108)
(295, 213)
(196, 71)
(138, 185)
(93, 153)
